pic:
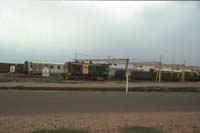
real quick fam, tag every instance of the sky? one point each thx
(140, 30)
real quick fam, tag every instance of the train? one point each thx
(77, 70)
(92, 71)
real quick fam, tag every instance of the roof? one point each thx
(46, 62)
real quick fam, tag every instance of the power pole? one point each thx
(126, 70)
(160, 69)
(183, 72)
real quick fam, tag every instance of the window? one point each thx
(51, 67)
(58, 67)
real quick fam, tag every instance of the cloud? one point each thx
(54, 30)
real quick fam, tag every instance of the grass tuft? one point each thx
(138, 129)
(59, 131)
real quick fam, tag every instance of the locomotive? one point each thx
(91, 71)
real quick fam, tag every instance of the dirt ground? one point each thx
(9, 80)
(102, 84)
(169, 122)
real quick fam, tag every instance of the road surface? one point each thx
(64, 102)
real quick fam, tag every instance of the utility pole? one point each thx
(160, 69)
(126, 70)
(183, 72)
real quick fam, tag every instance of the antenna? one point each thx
(75, 56)
(160, 58)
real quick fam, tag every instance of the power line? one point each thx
(94, 56)
(97, 56)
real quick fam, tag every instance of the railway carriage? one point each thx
(36, 67)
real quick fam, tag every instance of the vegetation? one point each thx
(59, 131)
(135, 129)
(59, 79)
(39, 78)
(138, 129)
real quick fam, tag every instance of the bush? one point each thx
(59, 131)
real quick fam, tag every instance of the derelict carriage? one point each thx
(36, 67)
(92, 71)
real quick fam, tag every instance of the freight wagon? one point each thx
(192, 76)
(6, 67)
(19, 68)
(11, 67)
(120, 74)
(75, 70)
(143, 75)
(176, 76)
(165, 76)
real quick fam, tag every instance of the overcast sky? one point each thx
(55, 30)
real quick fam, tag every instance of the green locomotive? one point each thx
(76, 70)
